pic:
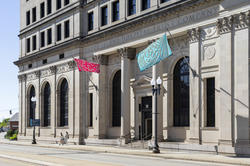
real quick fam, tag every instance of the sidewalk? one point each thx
(194, 156)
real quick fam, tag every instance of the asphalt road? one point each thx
(16, 155)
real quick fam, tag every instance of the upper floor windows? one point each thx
(145, 4)
(28, 18)
(131, 7)
(49, 36)
(115, 12)
(104, 15)
(59, 32)
(42, 39)
(42, 10)
(49, 7)
(162, 1)
(66, 2)
(34, 43)
(58, 4)
(90, 21)
(34, 14)
(66, 29)
(28, 45)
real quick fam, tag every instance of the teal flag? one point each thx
(154, 53)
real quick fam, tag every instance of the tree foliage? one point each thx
(4, 122)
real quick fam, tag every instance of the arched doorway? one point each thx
(32, 104)
(181, 92)
(116, 99)
(64, 103)
(46, 105)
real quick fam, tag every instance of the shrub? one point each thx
(9, 134)
(14, 137)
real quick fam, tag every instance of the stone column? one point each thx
(126, 55)
(100, 98)
(195, 86)
(38, 101)
(241, 82)
(226, 82)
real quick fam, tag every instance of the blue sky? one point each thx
(9, 52)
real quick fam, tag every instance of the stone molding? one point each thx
(224, 25)
(242, 20)
(52, 69)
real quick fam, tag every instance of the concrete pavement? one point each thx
(193, 156)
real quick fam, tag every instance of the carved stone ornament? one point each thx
(22, 77)
(127, 52)
(241, 20)
(37, 73)
(52, 69)
(224, 25)
(71, 65)
(100, 59)
(194, 34)
(209, 52)
(31, 76)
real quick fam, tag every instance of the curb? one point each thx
(204, 158)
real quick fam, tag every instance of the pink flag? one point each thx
(87, 66)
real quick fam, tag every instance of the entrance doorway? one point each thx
(146, 118)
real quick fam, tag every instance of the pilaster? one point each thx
(195, 85)
(126, 55)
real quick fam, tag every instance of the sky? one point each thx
(9, 52)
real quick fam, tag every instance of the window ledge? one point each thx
(210, 128)
(63, 127)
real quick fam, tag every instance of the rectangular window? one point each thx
(58, 4)
(66, 2)
(162, 1)
(116, 11)
(66, 29)
(104, 15)
(59, 32)
(49, 6)
(30, 65)
(42, 10)
(210, 104)
(131, 7)
(28, 18)
(90, 109)
(90, 21)
(49, 36)
(34, 14)
(61, 56)
(42, 39)
(28, 45)
(44, 61)
(34, 43)
(145, 4)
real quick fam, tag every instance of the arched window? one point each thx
(116, 99)
(32, 104)
(64, 90)
(181, 93)
(46, 105)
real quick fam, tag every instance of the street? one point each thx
(17, 155)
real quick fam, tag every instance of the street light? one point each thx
(156, 91)
(33, 99)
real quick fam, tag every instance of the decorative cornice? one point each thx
(194, 34)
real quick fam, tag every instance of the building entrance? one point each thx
(146, 118)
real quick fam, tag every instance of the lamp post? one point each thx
(156, 87)
(33, 99)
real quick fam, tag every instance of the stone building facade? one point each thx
(204, 96)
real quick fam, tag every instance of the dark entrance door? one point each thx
(146, 114)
